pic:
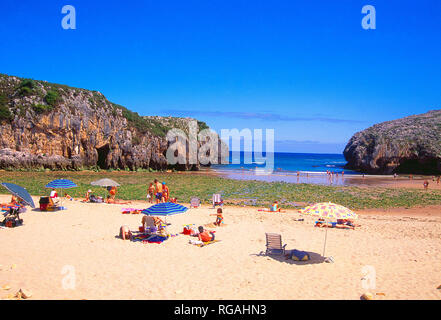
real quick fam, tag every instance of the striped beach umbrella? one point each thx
(164, 209)
(329, 211)
(61, 184)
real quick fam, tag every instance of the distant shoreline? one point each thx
(321, 178)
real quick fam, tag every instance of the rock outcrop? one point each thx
(407, 145)
(46, 125)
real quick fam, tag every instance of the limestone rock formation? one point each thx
(46, 125)
(407, 145)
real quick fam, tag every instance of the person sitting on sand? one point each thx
(125, 233)
(159, 222)
(54, 196)
(151, 192)
(163, 232)
(112, 193)
(275, 207)
(205, 235)
(219, 217)
(87, 196)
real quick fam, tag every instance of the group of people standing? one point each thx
(158, 191)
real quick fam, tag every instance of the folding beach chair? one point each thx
(150, 225)
(217, 200)
(12, 218)
(195, 202)
(274, 244)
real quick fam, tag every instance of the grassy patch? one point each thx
(184, 186)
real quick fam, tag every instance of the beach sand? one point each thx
(76, 254)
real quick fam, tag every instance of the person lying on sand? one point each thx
(347, 222)
(205, 235)
(125, 233)
(115, 201)
(15, 202)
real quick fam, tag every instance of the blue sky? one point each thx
(304, 68)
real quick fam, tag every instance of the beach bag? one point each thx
(298, 255)
(187, 230)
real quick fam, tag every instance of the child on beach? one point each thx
(275, 207)
(426, 184)
(150, 193)
(219, 217)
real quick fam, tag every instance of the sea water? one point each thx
(288, 167)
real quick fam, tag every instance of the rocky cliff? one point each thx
(407, 145)
(46, 125)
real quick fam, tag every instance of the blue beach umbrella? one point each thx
(61, 184)
(164, 209)
(19, 192)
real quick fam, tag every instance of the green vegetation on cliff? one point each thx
(18, 95)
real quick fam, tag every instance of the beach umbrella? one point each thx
(61, 184)
(105, 183)
(20, 192)
(164, 209)
(329, 211)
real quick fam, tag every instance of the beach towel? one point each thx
(298, 255)
(155, 239)
(130, 211)
(203, 244)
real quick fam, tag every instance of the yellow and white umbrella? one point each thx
(329, 211)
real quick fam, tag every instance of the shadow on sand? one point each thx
(315, 258)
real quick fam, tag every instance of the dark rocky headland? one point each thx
(50, 126)
(408, 145)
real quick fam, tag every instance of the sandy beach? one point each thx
(76, 254)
